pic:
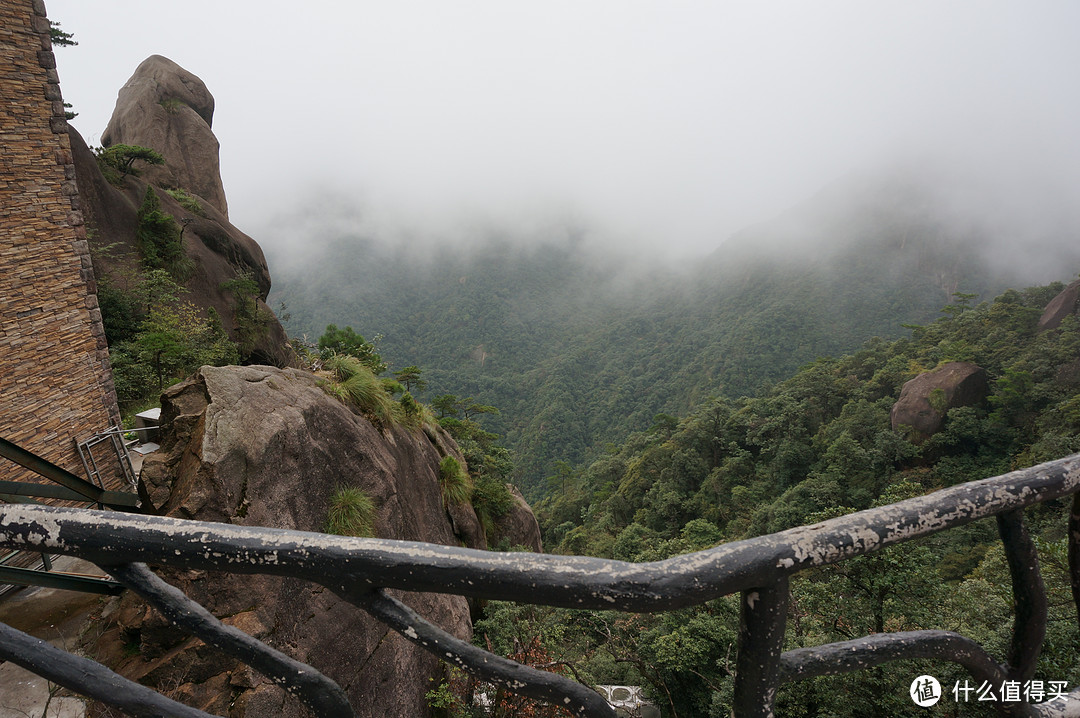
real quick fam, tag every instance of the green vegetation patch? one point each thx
(159, 238)
(172, 104)
(252, 321)
(187, 201)
(156, 337)
(454, 482)
(351, 513)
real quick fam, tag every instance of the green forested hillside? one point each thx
(760, 464)
(578, 344)
(817, 445)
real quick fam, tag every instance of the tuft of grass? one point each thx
(348, 380)
(456, 485)
(335, 390)
(351, 513)
(172, 104)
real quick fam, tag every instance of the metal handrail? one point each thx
(80, 489)
(358, 570)
(65, 486)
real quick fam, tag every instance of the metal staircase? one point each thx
(115, 439)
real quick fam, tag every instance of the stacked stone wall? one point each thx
(55, 378)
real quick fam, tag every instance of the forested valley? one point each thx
(815, 446)
(654, 413)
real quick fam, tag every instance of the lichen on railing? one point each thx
(358, 570)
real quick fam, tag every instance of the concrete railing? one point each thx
(359, 571)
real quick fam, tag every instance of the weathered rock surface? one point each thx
(1060, 307)
(219, 251)
(925, 399)
(267, 447)
(519, 526)
(168, 109)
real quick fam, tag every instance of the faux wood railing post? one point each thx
(1029, 596)
(762, 621)
(1074, 553)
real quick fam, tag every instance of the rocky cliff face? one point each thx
(519, 526)
(168, 109)
(262, 446)
(267, 447)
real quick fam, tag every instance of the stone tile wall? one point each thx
(55, 378)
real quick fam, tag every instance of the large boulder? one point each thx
(926, 399)
(1060, 307)
(260, 446)
(168, 109)
(518, 526)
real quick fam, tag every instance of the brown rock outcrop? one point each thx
(219, 251)
(925, 399)
(168, 109)
(267, 447)
(1060, 307)
(518, 527)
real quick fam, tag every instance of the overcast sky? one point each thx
(671, 124)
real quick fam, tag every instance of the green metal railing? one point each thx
(64, 486)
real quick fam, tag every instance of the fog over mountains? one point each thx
(579, 341)
(665, 127)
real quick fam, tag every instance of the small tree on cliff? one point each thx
(448, 405)
(410, 377)
(63, 39)
(59, 37)
(158, 238)
(251, 321)
(118, 161)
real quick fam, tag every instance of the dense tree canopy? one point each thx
(817, 445)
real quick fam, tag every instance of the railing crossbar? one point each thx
(524, 680)
(88, 677)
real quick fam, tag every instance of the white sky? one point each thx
(670, 124)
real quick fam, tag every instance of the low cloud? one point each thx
(662, 128)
